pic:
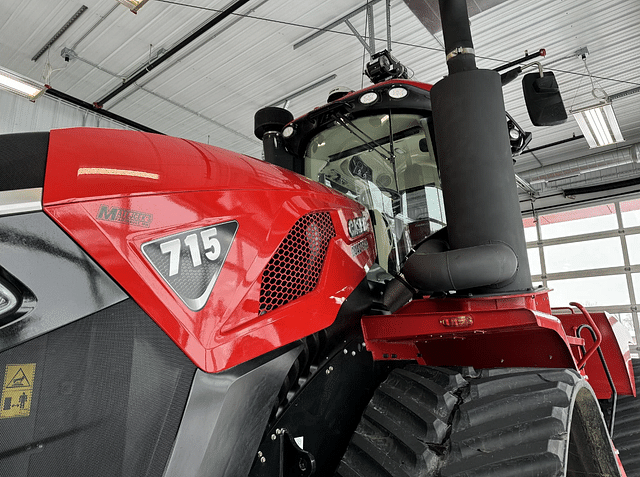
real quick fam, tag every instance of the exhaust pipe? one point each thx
(476, 168)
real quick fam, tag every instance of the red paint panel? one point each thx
(614, 348)
(506, 331)
(86, 163)
(509, 331)
(112, 214)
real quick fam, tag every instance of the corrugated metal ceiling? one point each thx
(210, 90)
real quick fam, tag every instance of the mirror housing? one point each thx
(543, 99)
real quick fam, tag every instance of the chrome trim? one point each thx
(20, 201)
(461, 51)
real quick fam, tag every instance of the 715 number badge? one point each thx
(190, 261)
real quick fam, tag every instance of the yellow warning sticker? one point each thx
(17, 390)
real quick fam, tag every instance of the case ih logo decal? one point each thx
(190, 262)
(131, 217)
(357, 226)
(360, 247)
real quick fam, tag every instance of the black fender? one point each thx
(226, 416)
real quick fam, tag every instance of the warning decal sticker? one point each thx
(17, 389)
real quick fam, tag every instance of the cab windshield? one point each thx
(385, 162)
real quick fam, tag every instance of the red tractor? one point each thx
(169, 308)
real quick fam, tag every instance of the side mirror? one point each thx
(543, 99)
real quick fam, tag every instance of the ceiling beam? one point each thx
(172, 51)
(334, 24)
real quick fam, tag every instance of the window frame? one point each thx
(627, 269)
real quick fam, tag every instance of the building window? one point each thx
(590, 255)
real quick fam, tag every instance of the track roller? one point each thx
(425, 421)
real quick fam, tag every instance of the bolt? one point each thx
(273, 437)
(345, 351)
(279, 431)
(259, 453)
(353, 353)
(263, 459)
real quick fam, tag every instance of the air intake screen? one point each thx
(102, 396)
(295, 268)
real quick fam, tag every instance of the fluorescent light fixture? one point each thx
(133, 5)
(599, 125)
(18, 84)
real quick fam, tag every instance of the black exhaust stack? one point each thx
(478, 179)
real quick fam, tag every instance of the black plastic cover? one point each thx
(103, 396)
(57, 281)
(22, 160)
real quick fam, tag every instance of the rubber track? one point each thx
(512, 422)
(440, 422)
(626, 434)
(402, 431)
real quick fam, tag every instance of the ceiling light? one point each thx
(599, 125)
(133, 5)
(17, 84)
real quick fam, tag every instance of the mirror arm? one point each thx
(527, 57)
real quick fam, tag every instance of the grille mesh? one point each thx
(295, 268)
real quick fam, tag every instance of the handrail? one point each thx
(598, 335)
(614, 393)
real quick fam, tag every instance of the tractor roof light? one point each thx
(288, 132)
(398, 92)
(369, 98)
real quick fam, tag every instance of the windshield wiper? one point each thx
(366, 140)
(368, 146)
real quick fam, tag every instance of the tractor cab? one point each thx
(376, 147)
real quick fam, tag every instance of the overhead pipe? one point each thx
(583, 165)
(172, 51)
(478, 180)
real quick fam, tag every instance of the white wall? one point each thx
(18, 114)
